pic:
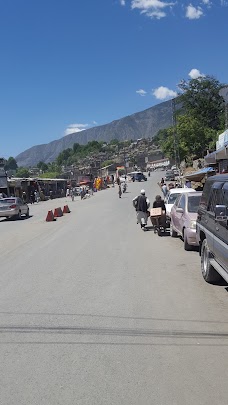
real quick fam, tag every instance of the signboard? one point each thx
(222, 140)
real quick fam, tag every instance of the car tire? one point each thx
(18, 216)
(209, 274)
(27, 213)
(187, 247)
(173, 233)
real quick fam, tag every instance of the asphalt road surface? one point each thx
(95, 311)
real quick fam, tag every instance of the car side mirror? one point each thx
(180, 210)
(220, 213)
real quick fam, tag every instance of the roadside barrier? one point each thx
(66, 209)
(58, 212)
(50, 216)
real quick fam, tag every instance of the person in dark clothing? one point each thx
(141, 204)
(159, 203)
(32, 197)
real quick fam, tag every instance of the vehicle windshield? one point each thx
(172, 198)
(7, 201)
(193, 203)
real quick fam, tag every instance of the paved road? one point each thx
(95, 311)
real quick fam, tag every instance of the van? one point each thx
(212, 229)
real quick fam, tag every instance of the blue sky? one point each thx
(67, 65)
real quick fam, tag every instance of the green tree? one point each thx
(50, 175)
(42, 166)
(22, 172)
(11, 164)
(201, 100)
(107, 163)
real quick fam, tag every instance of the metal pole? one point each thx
(175, 140)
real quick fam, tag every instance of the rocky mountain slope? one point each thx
(144, 124)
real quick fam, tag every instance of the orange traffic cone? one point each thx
(66, 209)
(58, 212)
(50, 216)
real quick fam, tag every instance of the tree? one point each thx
(201, 100)
(11, 164)
(192, 138)
(42, 166)
(22, 172)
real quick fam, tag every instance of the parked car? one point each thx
(139, 176)
(172, 195)
(212, 229)
(169, 176)
(13, 207)
(183, 218)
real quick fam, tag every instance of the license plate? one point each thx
(3, 208)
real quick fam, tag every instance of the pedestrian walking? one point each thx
(164, 189)
(141, 204)
(32, 197)
(24, 196)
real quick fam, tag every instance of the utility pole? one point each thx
(175, 139)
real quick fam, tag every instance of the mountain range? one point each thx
(144, 124)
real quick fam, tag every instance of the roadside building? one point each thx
(219, 158)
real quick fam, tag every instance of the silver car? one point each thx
(13, 207)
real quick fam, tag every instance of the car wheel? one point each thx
(186, 244)
(173, 233)
(18, 216)
(210, 275)
(27, 213)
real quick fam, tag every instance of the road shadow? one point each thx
(23, 218)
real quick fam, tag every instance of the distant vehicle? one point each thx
(172, 195)
(169, 176)
(176, 173)
(183, 218)
(13, 207)
(212, 229)
(139, 176)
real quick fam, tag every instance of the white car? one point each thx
(172, 195)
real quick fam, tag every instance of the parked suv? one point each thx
(212, 229)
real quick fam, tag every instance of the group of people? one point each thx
(141, 204)
(166, 187)
(34, 196)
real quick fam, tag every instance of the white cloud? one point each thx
(195, 73)
(95, 123)
(152, 8)
(71, 129)
(162, 93)
(193, 13)
(122, 2)
(141, 92)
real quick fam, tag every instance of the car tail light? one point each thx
(13, 206)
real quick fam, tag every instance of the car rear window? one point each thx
(193, 203)
(7, 201)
